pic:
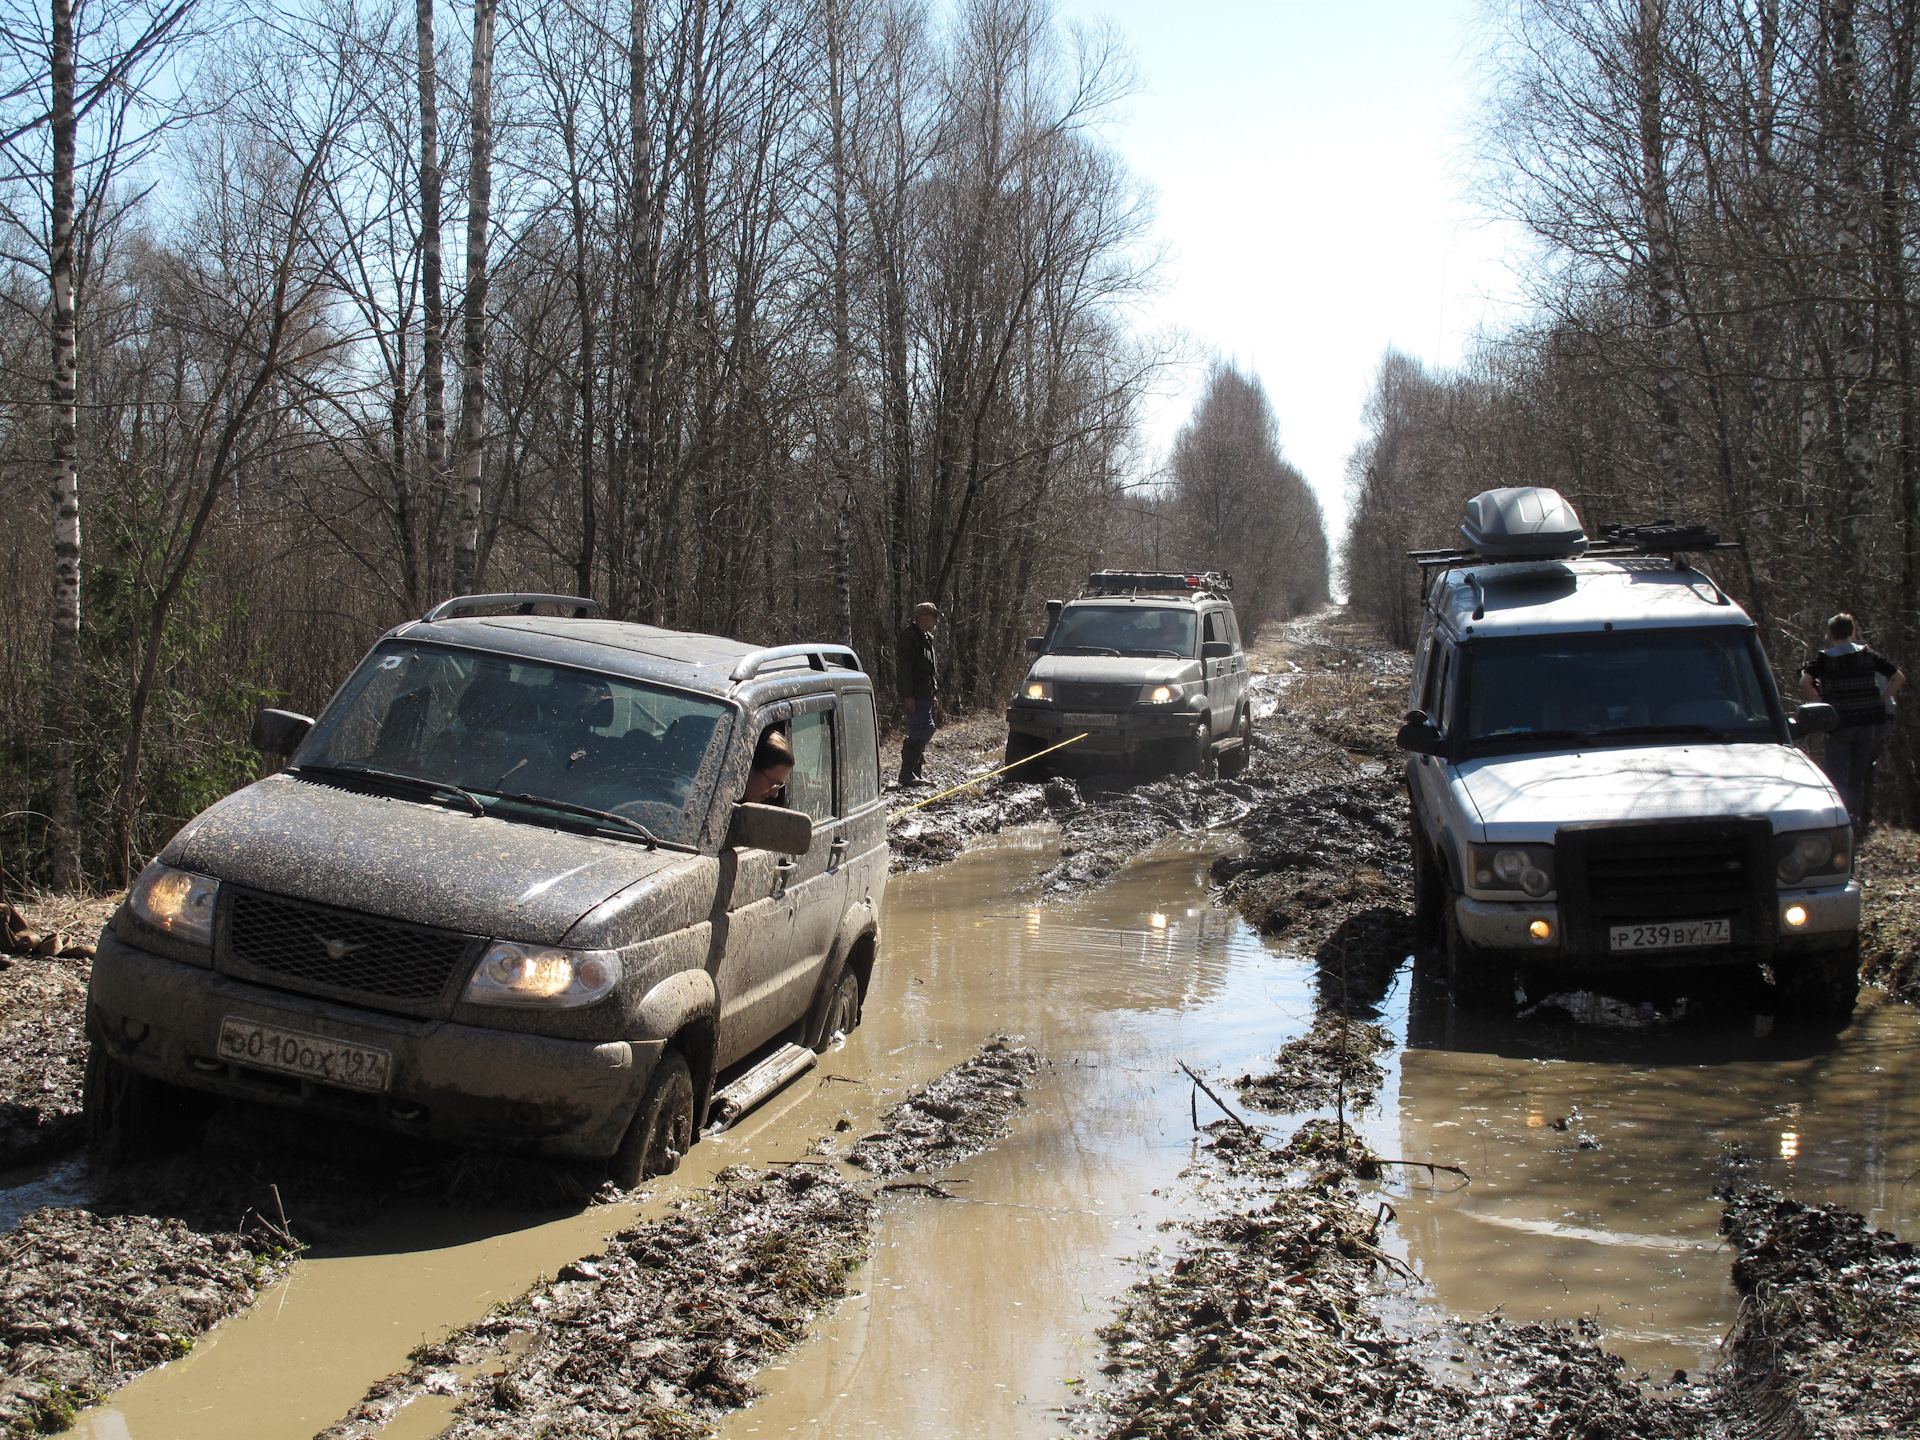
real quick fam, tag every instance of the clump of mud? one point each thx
(1335, 1060)
(43, 1058)
(1828, 1339)
(660, 1335)
(956, 1114)
(1889, 870)
(1264, 1325)
(89, 1301)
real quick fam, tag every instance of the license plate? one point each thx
(311, 1057)
(1672, 935)
(1093, 722)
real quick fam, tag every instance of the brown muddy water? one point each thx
(977, 1315)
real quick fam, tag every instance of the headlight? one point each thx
(176, 902)
(1037, 690)
(1526, 868)
(1801, 855)
(510, 974)
(1159, 694)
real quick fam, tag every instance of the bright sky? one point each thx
(1310, 161)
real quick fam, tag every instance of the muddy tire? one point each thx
(1234, 762)
(662, 1128)
(1476, 978)
(843, 1010)
(1201, 763)
(1821, 989)
(1025, 747)
(131, 1117)
(1429, 891)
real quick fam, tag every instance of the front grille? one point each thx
(1653, 878)
(312, 946)
(1094, 697)
(1625, 872)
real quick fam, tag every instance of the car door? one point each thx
(1430, 771)
(1237, 676)
(818, 882)
(863, 818)
(1218, 672)
(773, 948)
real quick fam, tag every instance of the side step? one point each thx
(758, 1083)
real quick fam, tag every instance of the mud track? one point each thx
(1269, 1320)
(660, 1334)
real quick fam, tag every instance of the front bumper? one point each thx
(1129, 731)
(565, 1099)
(1832, 921)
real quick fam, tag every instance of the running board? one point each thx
(760, 1082)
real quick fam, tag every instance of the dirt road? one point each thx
(1110, 1253)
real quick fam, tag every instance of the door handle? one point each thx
(785, 867)
(836, 852)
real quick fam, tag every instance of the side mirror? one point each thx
(1418, 734)
(278, 732)
(1812, 720)
(1215, 649)
(770, 827)
(1035, 644)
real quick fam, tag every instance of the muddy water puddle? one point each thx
(1594, 1155)
(989, 1301)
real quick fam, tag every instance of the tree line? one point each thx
(767, 318)
(1724, 195)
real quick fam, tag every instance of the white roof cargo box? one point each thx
(1523, 523)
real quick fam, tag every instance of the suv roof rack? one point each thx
(1184, 582)
(519, 603)
(816, 655)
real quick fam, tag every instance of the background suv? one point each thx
(1147, 667)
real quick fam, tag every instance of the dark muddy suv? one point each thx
(1146, 668)
(504, 893)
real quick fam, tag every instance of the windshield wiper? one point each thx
(1087, 650)
(1712, 730)
(1533, 735)
(1169, 654)
(395, 777)
(567, 807)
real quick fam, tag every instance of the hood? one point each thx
(1112, 669)
(423, 863)
(1525, 797)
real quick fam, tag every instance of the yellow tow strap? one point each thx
(988, 776)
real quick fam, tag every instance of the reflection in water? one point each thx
(973, 1312)
(974, 1315)
(1595, 1153)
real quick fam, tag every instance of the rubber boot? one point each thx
(912, 757)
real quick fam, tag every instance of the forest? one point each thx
(1725, 200)
(767, 318)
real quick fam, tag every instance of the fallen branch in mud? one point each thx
(660, 1334)
(1215, 1098)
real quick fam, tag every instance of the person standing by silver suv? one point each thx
(1860, 684)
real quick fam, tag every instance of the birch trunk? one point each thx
(1663, 278)
(433, 379)
(63, 658)
(842, 489)
(473, 394)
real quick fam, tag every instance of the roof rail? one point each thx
(754, 661)
(522, 604)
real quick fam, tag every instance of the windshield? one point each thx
(1642, 685)
(1123, 630)
(499, 728)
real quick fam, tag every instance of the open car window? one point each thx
(498, 727)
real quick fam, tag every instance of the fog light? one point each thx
(1541, 929)
(1796, 915)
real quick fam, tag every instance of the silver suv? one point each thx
(1144, 667)
(506, 894)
